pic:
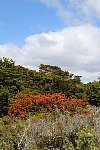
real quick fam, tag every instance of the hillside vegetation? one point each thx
(47, 109)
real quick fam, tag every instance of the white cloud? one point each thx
(75, 49)
(92, 6)
(9, 50)
(62, 11)
(75, 12)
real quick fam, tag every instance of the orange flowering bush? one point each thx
(75, 105)
(31, 104)
(35, 103)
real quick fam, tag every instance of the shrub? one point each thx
(75, 106)
(86, 139)
(36, 103)
(67, 145)
(9, 130)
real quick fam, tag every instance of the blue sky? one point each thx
(20, 18)
(65, 33)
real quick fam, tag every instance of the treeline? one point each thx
(16, 79)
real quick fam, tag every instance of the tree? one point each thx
(92, 90)
(4, 102)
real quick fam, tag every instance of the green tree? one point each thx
(92, 90)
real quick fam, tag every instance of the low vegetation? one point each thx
(47, 110)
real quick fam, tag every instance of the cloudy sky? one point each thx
(65, 33)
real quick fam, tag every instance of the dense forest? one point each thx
(36, 100)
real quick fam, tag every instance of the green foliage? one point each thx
(3, 102)
(9, 130)
(86, 139)
(67, 145)
(47, 132)
(17, 82)
(50, 79)
(92, 90)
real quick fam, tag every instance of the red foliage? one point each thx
(75, 105)
(31, 104)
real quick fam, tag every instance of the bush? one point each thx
(67, 145)
(86, 139)
(9, 130)
(32, 104)
(75, 106)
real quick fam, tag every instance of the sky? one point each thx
(62, 33)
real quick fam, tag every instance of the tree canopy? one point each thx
(49, 79)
